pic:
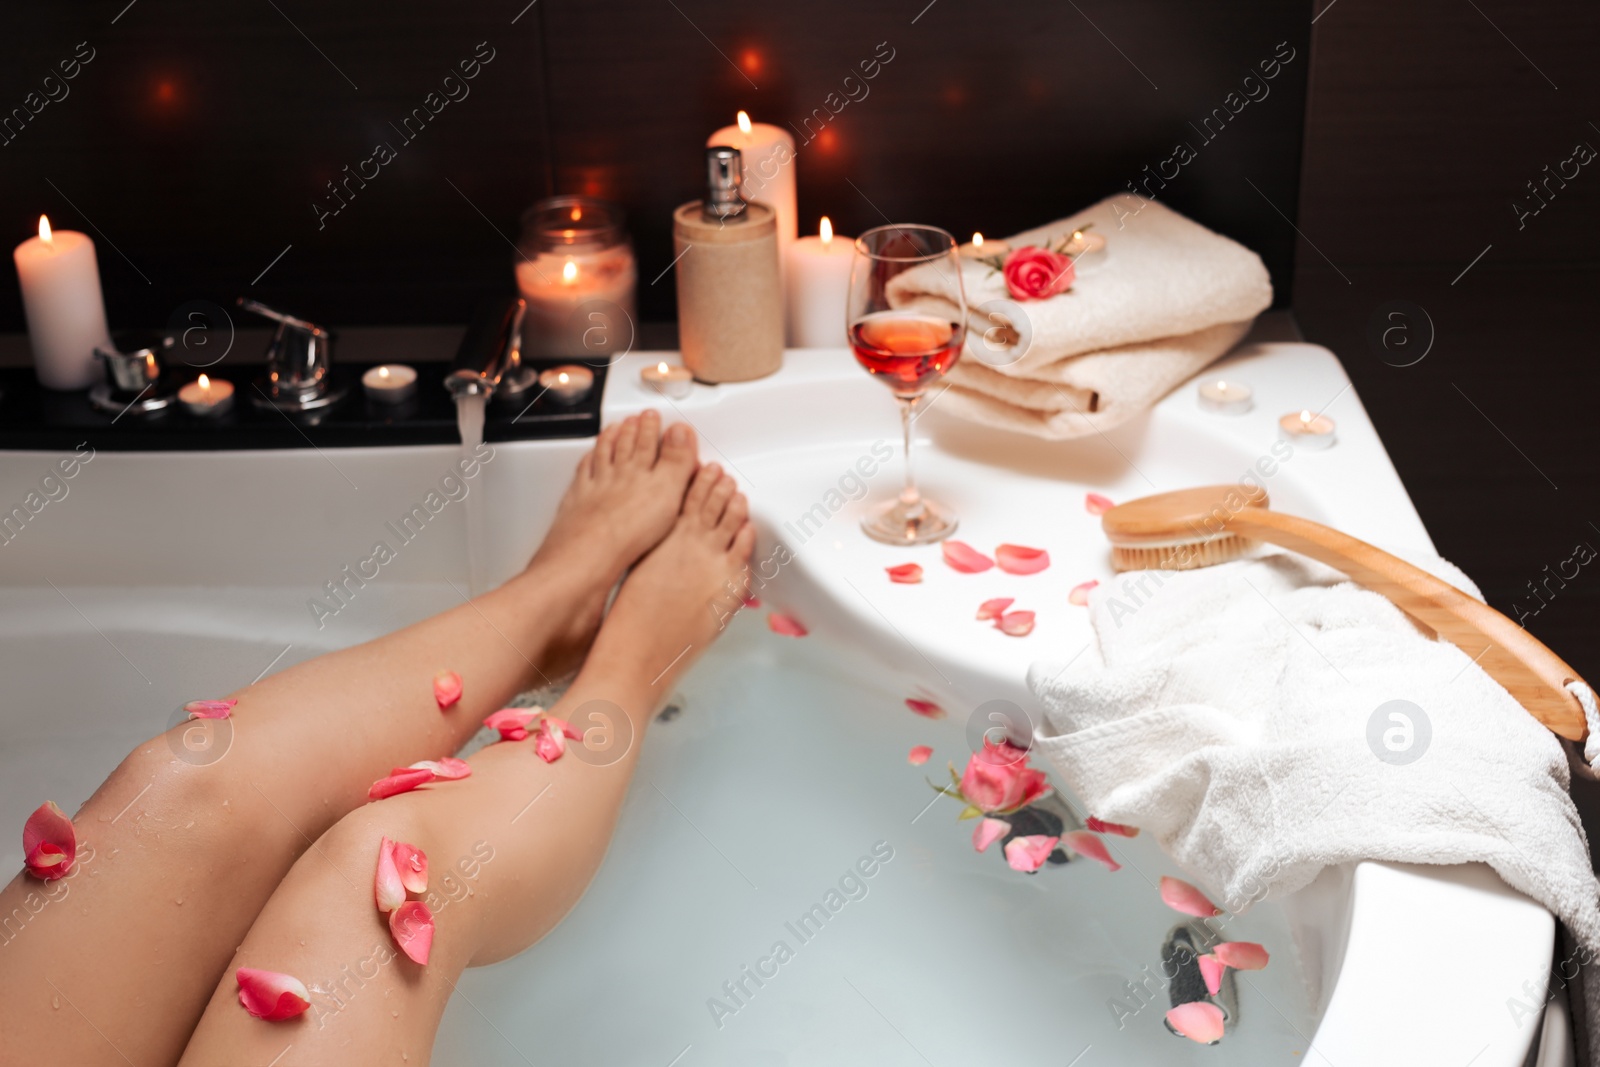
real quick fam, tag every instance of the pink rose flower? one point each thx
(1033, 273)
(999, 779)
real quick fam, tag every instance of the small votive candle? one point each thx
(568, 383)
(206, 397)
(1222, 397)
(1084, 243)
(391, 383)
(1306, 430)
(978, 248)
(668, 380)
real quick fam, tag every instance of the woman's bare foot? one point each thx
(624, 497)
(673, 605)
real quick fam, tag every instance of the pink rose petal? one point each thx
(752, 602)
(512, 722)
(905, 573)
(1095, 504)
(1100, 826)
(447, 769)
(550, 743)
(1242, 955)
(1019, 559)
(49, 842)
(1015, 623)
(210, 709)
(964, 558)
(1212, 970)
(412, 926)
(1181, 896)
(402, 781)
(387, 888)
(1198, 1021)
(988, 831)
(412, 863)
(446, 688)
(786, 625)
(993, 609)
(1085, 843)
(1080, 593)
(270, 995)
(926, 708)
(918, 755)
(1027, 854)
(566, 728)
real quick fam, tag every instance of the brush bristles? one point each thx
(1185, 557)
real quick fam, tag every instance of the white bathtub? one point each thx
(162, 577)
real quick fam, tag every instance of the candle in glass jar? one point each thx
(577, 274)
(768, 156)
(816, 285)
(66, 313)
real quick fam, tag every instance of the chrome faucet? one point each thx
(299, 362)
(489, 361)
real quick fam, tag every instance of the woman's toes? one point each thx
(647, 442)
(744, 543)
(678, 448)
(717, 500)
(605, 448)
(627, 440)
(734, 515)
(694, 501)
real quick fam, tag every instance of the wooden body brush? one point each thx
(1194, 528)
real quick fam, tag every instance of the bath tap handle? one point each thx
(299, 361)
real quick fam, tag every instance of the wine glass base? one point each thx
(897, 524)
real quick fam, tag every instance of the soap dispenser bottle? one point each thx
(730, 292)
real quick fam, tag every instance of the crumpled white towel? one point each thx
(1227, 711)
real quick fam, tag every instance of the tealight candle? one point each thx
(568, 383)
(817, 285)
(1083, 243)
(668, 380)
(1306, 430)
(1225, 398)
(206, 397)
(66, 314)
(391, 383)
(979, 248)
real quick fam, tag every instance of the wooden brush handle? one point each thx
(1534, 676)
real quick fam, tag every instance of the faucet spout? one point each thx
(491, 352)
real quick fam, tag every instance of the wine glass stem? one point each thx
(910, 498)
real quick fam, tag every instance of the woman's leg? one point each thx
(529, 859)
(185, 856)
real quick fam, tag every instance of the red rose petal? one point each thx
(1080, 593)
(512, 722)
(1027, 854)
(387, 888)
(270, 995)
(446, 769)
(412, 864)
(1085, 843)
(49, 842)
(905, 573)
(993, 609)
(1019, 559)
(550, 744)
(926, 708)
(1198, 1021)
(403, 781)
(1095, 504)
(1016, 623)
(964, 558)
(1181, 896)
(1212, 970)
(918, 755)
(446, 688)
(786, 625)
(752, 602)
(210, 709)
(1242, 955)
(412, 926)
(1100, 826)
(988, 831)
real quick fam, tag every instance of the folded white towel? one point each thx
(1237, 713)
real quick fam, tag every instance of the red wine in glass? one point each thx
(906, 350)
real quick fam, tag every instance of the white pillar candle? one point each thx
(66, 314)
(817, 284)
(574, 300)
(768, 156)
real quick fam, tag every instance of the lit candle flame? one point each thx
(205, 385)
(383, 372)
(744, 122)
(662, 367)
(44, 231)
(562, 377)
(977, 240)
(1222, 387)
(577, 213)
(826, 231)
(1305, 417)
(569, 272)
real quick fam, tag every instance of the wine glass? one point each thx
(907, 333)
